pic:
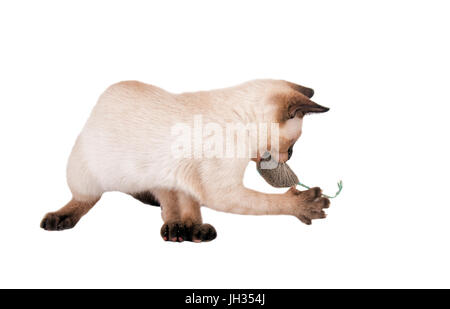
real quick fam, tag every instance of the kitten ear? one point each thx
(304, 107)
(293, 103)
(303, 90)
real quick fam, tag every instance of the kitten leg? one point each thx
(172, 230)
(305, 205)
(146, 197)
(191, 216)
(68, 216)
(182, 217)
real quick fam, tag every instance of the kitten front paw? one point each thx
(180, 231)
(310, 204)
(174, 231)
(54, 221)
(203, 232)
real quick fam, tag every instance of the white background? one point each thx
(381, 66)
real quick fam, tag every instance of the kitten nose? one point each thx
(290, 151)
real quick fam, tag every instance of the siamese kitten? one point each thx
(129, 145)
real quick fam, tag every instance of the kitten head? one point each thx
(286, 104)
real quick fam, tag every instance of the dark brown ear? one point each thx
(303, 90)
(304, 107)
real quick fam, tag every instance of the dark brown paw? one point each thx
(314, 210)
(203, 232)
(310, 204)
(179, 232)
(175, 231)
(314, 205)
(58, 222)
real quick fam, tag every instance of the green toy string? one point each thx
(337, 193)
